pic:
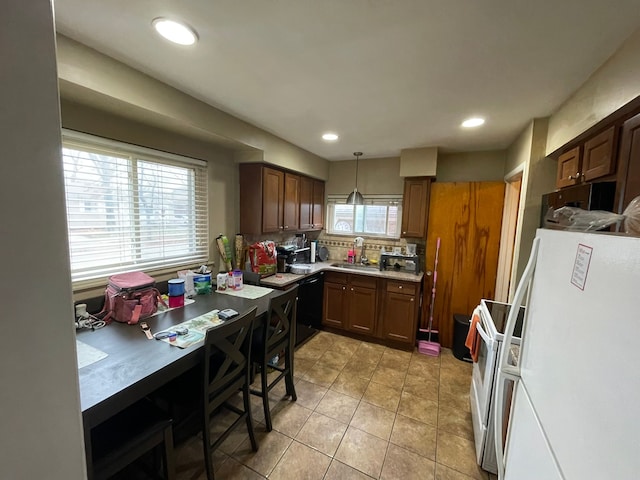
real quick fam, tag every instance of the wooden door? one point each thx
(306, 203)
(272, 200)
(398, 320)
(598, 159)
(467, 217)
(508, 238)
(415, 206)
(291, 207)
(318, 205)
(335, 297)
(568, 168)
(628, 184)
(362, 309)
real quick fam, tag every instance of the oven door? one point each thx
(483, 370)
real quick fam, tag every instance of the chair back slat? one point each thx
(281, 320)
(228, 354)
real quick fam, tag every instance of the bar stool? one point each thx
(277, 335)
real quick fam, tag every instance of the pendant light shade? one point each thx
(355, 197)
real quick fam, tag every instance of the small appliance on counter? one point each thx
(400, 263)
(290, 255)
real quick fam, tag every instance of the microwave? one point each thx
(587, 196)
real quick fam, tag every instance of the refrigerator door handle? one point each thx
(506, 371)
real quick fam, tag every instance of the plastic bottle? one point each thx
(230, 282)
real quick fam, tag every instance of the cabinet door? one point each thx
(399, 317)
(628, 184)
(291, 216)
(335, 297)
(598, 159)
(272, 200)
(317, 219)
(362, 309)
(568, 168)
(415, 207)
(306, 203)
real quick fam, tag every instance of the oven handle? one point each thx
(487, 339)
(506, 371)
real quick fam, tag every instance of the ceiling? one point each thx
(383, 74)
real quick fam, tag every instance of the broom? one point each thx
(427, 347)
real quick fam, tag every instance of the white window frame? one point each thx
(379, 200)
(199, 252)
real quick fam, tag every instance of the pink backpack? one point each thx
(130, 297)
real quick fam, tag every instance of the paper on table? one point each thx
(86, 354)
(248, 291)
(197, 330)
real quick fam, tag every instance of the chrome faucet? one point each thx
(359, 242)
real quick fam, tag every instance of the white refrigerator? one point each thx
(575, 412)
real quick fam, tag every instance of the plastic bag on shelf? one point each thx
(573, 218)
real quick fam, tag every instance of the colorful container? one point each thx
(176, 287)
(202, 283)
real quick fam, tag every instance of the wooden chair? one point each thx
(277, 336)
(119, 441)
(227, 363)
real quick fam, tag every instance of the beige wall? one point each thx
(375, 176)
(223, 171)
(39, 397)
(613, 85)
(88, 76)
(527, 153)
(471, 166)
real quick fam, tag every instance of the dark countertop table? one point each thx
(136, 366)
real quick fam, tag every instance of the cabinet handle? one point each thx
(575, 177)
(412, 299)
(404, 233)
(344, 288)
(352, 289)
(400, 287)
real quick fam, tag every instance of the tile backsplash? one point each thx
(339, 245)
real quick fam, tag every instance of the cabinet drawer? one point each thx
(406, 288)
(363, 281)
(335, 277)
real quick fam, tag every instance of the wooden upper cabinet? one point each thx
(568, 168)
(317, 213)
(306, 203)
(594, 160)
(628, 181)
(291, 208)
(598, 159)
(273, 200)
(415, 207)
(311, 204)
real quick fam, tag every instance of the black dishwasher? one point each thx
(309, 315)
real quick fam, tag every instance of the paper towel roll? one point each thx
(313, 252)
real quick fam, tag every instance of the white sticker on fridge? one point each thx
(581, 266)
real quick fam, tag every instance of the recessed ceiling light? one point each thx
(175, 32)
(473, 122)
(330, 137)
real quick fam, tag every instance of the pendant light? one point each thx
(355, 197)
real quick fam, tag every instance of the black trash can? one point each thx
(460, 331)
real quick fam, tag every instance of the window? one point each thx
(131, 208)
(378, 217)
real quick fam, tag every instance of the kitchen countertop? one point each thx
(282, 280)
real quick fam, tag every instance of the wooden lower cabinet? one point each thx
(362, 310)
(372, 307)
(334, 305)
(400, 312)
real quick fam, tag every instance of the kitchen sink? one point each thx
(356, 266)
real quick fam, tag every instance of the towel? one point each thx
(473, 337)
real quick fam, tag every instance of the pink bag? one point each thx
(130, 297)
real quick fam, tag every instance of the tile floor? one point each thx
(363, 411)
